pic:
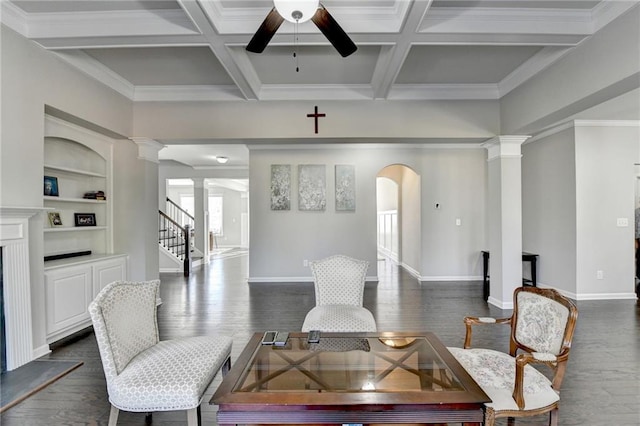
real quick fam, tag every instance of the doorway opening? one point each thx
(399, 219)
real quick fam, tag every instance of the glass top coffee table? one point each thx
(349, 378)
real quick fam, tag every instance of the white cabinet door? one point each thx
(68, 294)
(108, 271)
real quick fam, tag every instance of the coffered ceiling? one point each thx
(184, 50)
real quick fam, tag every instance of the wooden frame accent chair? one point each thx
(542, 327)
(339, 286)
(143, 373)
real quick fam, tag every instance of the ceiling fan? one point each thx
(299, 11)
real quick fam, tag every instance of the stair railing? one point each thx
(179, 214)
(177, 239)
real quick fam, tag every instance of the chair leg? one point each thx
(113, 416)
(511, 421)
(553, 417)
(226, 366)
(148, 418)
(192, 417)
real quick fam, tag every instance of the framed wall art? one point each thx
(345, 188)
(312, 187)
(280, 187)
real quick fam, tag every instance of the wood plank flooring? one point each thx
(601, 388)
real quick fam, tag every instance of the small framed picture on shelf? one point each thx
(55, 219)
(85, 219)
(51, 186)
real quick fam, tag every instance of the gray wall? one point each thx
(549, 208)
(282, 240)
(605, 156)
(577, 182)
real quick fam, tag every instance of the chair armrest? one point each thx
(471, 321)
(532, 358)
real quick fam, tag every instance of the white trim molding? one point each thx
(148, 149)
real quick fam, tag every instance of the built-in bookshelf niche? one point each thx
(76, 191)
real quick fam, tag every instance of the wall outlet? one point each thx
(305, 263)
(622, 222)
(600, 275)
(458, 222)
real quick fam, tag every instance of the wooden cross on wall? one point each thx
(315, 115)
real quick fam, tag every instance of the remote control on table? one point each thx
(281, 338)
(314, 336)
(269, 337)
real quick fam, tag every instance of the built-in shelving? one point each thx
(76, 229)
(74, 171)
(73, 200)
(81, 161)
(80, 259)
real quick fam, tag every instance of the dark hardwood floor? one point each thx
(601, 388)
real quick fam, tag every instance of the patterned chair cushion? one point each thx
(339, 280)
(495, 372)
(339, 318)
(124, 321)
(172, 375)
(541, 323)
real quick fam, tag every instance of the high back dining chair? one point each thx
(542, 327)
(339, 287)
(143, 373)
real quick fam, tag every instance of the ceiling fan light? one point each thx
(222, 160)
(290, 9)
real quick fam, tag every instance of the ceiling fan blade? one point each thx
(333, 32)
(266, 31)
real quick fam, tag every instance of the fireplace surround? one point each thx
(14, 240)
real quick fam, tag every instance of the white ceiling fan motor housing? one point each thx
(296, 10)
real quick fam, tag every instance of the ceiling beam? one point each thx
(391, 59)
(249, 87)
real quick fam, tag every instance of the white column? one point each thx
(201, 215)
(505, 217)
(148, 152)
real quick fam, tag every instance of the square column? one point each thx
(505, 217)
(201, 216)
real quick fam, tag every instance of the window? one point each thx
(215, 214)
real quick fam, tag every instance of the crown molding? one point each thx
(582, 123)
(14, 17)
(186, 93)
(492, 20)
(541, 60)
(97, 70)
(109, 23)
(288, 92)
(607, 11)
(444, 92)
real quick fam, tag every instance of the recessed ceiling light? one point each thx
(222, 160)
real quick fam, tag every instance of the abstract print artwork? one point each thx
(280, 187)
(312, 187)
(345, 188)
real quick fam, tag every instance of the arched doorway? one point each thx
(399, 218)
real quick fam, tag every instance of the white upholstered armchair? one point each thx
(144, 374)
(339, 285)
(542, 326)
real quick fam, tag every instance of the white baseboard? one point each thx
(170, 270)
(451, 278)
(293, 280)
(41, 351)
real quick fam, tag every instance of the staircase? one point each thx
(176, 234)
